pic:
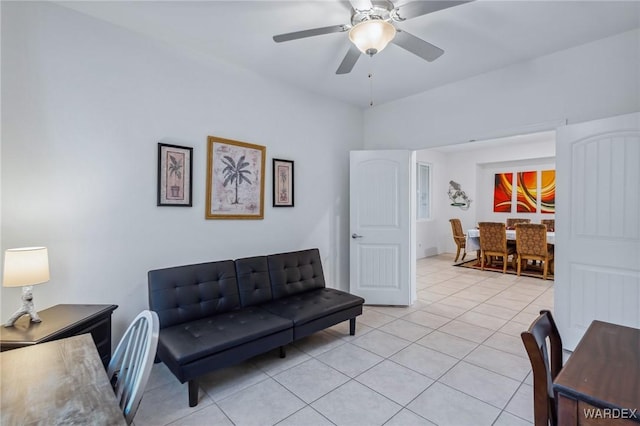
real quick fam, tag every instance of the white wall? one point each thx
(595, 80)
(85, 103)
(473, 168)
(427, 243)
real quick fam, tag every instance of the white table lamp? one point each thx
(25, 267)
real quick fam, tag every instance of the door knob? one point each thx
(354, 236)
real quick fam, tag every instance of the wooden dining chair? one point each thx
(493, 242)
(512, 221)
(550, 224)
(541, 338)
(459, 238)
(132, 360)
(531, 243)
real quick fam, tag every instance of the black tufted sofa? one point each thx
(216, 314)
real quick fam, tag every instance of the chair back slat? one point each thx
(132, 360)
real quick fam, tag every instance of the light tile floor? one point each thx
(453, 358)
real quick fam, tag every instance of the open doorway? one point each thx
(472, 166)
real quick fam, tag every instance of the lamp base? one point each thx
(27, 308)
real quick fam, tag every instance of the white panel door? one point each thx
(597, 225)
(382, 234)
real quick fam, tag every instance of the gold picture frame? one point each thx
(235, 179)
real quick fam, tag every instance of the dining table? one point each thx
(473, 238)
(600, 382)
(55, 383)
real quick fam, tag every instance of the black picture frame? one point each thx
(283, 183)
(175, 175)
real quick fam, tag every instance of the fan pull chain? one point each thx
(371, 70)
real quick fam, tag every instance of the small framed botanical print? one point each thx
(282, 183)
(175, 174)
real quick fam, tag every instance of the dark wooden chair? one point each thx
(542, 337)
(459, 237)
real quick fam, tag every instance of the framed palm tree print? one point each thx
(235, 179)
(174, 175)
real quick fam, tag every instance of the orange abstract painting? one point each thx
(502, 191)
(548, 191)
(527, 192)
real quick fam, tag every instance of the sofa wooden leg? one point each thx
(193, 393)
(352, 326)
(283, 353)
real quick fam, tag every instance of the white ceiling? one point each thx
(477, 37)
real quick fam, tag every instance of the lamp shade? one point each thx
(372, 36)
(25, 266)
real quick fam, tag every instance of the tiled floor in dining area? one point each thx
(453, 358)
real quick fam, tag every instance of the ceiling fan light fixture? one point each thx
(372, 36)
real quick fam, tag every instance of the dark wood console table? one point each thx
(59, 322)
(599, 383)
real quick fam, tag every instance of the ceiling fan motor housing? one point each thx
(381, 10)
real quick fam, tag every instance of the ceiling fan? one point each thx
(372, 28)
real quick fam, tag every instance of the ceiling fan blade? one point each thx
(349, 61)
(418, 8)
(311, 33)
(361, 4)
(417, 46)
